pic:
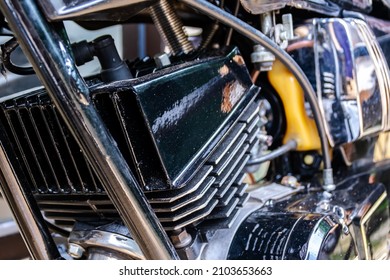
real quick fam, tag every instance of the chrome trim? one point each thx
(262, 6)
(62, 9)
(219, 245)
(8, 228)
(316, 239)
(366, 214)
(351, 77)
(114, 245)
(381, 66)
(48, 53)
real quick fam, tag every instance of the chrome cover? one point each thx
(68, 9)
(262, 6)
(351, 77)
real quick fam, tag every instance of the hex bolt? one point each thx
(162, 60)
(181, 239)
(75, 251)
(262, 59)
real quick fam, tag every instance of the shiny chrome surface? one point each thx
(67, 9)
(27, 215)
(54, 65)
(370, 248)
(258, 37)
(352, 222)
(362, 4)
(324, 227)
(262, 6)
(219, 245)
(108, 244)
(351, 77)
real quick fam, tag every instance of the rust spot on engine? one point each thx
(239, 60)
(224, 70)
(232, 93)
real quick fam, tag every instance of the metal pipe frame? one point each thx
(49, 54)
(291, 145)
(258, 37)
(26, 213)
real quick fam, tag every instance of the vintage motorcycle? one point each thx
(264, 136)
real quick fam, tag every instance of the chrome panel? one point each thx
(366, 227)
(219, 245)
(351, 77)
(68, 9)
(108, 244)
(263, 6)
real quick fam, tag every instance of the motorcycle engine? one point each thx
(186, 130)
(187, 126)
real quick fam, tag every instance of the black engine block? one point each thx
(186, 131)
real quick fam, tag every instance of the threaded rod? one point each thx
(170, 27)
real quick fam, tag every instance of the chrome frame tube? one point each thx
(49, 54)
(258, 37)
(26, 213)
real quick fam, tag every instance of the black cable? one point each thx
(6, 50)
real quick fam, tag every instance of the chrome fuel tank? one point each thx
(344, 62)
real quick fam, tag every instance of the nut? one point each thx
(75, 251)
(181, 239)
(162, 60)
(262, 58)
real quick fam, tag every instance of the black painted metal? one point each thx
(177, 109)
(19, 196)
(211, 146)
(306, 226)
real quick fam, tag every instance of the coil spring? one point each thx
(170, 26)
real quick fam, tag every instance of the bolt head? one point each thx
(262, 57)
(181, 239)
(162, 60)
(75, 251)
